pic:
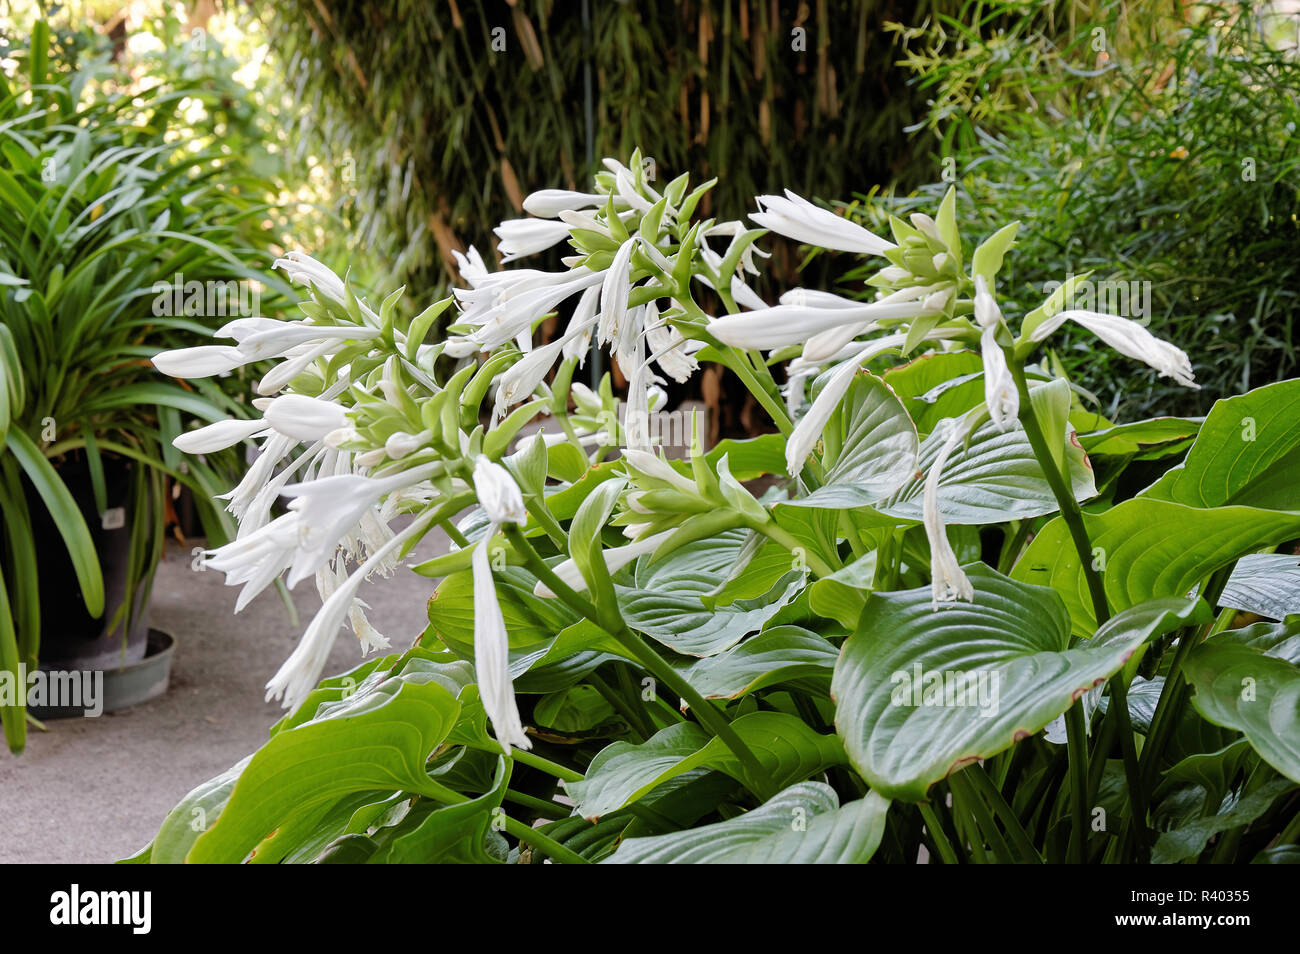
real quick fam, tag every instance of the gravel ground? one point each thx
(95, 790)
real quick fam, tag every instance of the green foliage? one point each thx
(106, 213)
(1151, 145)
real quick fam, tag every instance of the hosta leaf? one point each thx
(192, 816)
(378, 742)
(1241, 687)
(804, 824)
(452, 834)
(666, 602)
(1002, 667)
(529, 621)
(878, 448)
(1131, 438)
(621, 773)
(1266, 584)
(1247, 453)
(1189, 840)
(995, 479)
(1148, 548)
(778, 655)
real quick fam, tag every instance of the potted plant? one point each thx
(107, 228)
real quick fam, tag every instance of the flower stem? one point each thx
(1063, 492)
(547, 846)
(708, 714)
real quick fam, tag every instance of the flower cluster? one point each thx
(372, 450)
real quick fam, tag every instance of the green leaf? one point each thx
(621, 773)
(921, 692)
(666, 601)
(804, 824)
(878, 448)
(782, 654)
(1242, 687)
(576, 709)
(453, 834)
(1266, 584)
(994, 479)
(987, 260)
(192, 816)
(1147, 548)
(379, 741)
(1189, 840)
(1167, 432)
(67, 517)
(1247, 453)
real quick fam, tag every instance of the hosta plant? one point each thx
(967, 620)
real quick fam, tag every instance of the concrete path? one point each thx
(95, 790)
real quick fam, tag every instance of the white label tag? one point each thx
(114, 518)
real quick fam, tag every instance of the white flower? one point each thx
(498, 494)
(520, 237)
(613, 293)
(804, 222)
(1000, 394)
(1128, 338)
(500, 498)
(987, 312)
(305, 418)
(615, 559)
(201, 362)
(803, 315)
(304, 268)
(521, 379)
(328, 508)
(549, 203)
(947, 580)
(400, 443)
(218, 436)
(302, 670)
(808, 431)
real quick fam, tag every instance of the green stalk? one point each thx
(982, 785)
(1077, 742)
(708, 714)
(533, 760)
(542, 807)
(547, 846)
(934, 827)
(619, 704)
(1062, 491)
(965, 795)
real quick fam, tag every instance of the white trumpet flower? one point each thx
(1000, 393)
(549, 203)
(304, 418)
(799, 219)
(218, 436)
(947, 580)
(614, 558)
(294, 681)
(1129, 338)
(501, 500)
(808, 431)
(521, 237)
(201, 362)
(803, 315)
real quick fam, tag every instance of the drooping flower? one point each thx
(501, 500)
(799, 219)
(521, 237)
(1129, 338)
(947, 580)
(218, 436)
(1000, 393)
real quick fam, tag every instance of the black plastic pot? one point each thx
(70, 637)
